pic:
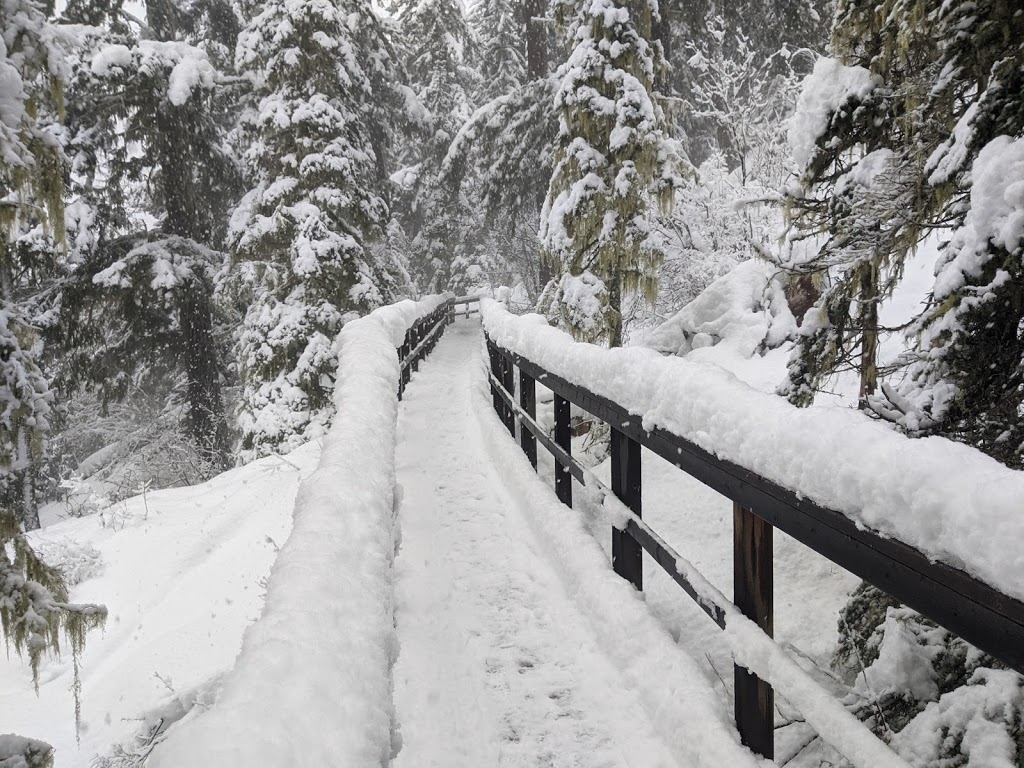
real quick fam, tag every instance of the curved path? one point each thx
(496, 666)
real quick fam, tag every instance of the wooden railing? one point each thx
(991, 620)
(421, 338)
(467, 303)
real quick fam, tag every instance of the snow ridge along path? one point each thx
(496, 665)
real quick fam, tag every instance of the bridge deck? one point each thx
(496, 667)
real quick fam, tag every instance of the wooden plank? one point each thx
(528, 402)
(752, 594)
(563, 439)
(952, 598)
(627, 555)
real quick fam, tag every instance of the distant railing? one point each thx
(980, 614)
(467, 305)
(421, 338)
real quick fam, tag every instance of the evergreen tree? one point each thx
(152, 290)
(916, 130)
(308, 237)
(32, 164)
(613, 167)
(499, 30)
(34, 612)
(439, 48)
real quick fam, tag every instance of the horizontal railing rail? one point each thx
(467, 304)
(974, 610)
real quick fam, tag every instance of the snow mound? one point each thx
(828, 88)
(312, 684)
(745, 309)
(181, 572)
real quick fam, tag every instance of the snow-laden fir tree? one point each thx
(439, 52)
(308, 237)
(34, 612)
(966, 374)
(915, 130)
(32, 166)
(499, 31)
(138, 305)
(614, 167)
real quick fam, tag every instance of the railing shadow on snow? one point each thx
(991, 620)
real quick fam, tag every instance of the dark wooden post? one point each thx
(752, 593)
(528, 401)
(496, 373)
(415, 342)
(627, 556)
(508, 381)
(563, 439)
(401, 371)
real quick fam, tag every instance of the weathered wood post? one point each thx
(402, 352)
(563, 439)
(417, 337)
(752, 593)
(528, 401)
(508, 381)
(627, 555)
(492, 352)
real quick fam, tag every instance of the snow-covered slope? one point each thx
(181, 572)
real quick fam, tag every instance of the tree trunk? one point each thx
(536, 39)
(206, 421)
(869, 332)
(614, 311)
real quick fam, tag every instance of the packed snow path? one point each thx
(496, 665)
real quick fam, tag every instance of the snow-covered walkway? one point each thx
(496, 665)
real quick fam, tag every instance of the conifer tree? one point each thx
(439, 50)
(916, 130)
(500, 34)
(34, 612)
(308, 237)
(613, 167)
(32, 166)
(152, 291)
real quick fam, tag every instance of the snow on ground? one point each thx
(497, 666)
(312, 683)
(182, 573)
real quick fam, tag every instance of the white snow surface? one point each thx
(312, 683)
(180, 572)
(948, 500)
(501, 662)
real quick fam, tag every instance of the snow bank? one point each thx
(948, 500)
(312, 684)
(745, 309)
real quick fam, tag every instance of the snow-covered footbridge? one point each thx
(452, 596)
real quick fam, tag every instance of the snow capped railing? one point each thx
(933, 523)
(306, 655)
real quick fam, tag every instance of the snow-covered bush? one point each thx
(19, 752)
(938, 700)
